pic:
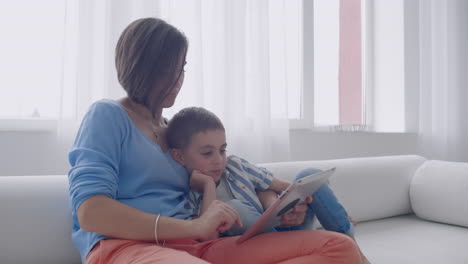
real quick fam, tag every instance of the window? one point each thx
(343, 65)
(32, 35)
(353, 65)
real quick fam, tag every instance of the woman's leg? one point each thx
(116, 251)
(321, 247)
(297, 247)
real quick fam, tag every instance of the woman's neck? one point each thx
(143, 111)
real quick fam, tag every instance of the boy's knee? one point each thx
(306, 172)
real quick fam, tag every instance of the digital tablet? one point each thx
(297, 192)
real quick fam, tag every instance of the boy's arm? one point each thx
(278, 185)
(202, 183)
(269, 196)
(293, 218)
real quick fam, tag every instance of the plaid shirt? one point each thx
(243, 179)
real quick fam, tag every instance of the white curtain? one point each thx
(443, 109)
(236, 66)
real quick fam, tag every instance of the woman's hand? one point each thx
(198, 181)
(297, 215)
(218, 218)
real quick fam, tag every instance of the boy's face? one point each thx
(205, 153)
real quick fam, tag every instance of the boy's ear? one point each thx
(177, 156)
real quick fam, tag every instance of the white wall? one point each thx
(39, 153)
(309, 145)
(32, 153)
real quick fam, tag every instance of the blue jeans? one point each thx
(326, 207)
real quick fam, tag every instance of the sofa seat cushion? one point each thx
(439, 192)
(409, 240)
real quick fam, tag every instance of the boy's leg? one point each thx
(327, 208)
(330, 212)
(248, 215)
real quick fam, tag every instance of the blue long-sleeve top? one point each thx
(112, 157)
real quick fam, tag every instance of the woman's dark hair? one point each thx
(149, 50)
(188, 122)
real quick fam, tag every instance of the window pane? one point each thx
(326, 51)
(30, 64)
(350, 74)
(389, 108)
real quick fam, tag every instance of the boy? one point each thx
(198, 142)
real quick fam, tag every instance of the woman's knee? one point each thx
(338, 244)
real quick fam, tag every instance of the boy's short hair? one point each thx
(188, 122)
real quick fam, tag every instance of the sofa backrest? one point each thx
(369, 188)
(35, 220)
(35, 217)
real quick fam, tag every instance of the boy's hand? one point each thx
(297, 214)
(198, 181)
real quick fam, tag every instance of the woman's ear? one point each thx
(177, 156)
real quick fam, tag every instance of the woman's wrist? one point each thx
(195, 231)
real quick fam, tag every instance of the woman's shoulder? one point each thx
(105, 114)
(105, 108)
(106, 104)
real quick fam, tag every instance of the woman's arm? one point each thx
(111, 218)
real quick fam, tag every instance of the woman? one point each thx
(129, 197)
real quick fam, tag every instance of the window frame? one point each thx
(307, 109)
(28, 124)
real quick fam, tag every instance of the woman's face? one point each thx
(170, 98)
(178, 79)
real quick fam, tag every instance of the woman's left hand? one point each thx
(297, 215)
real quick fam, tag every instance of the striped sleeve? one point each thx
(194, 202)
(261, 178)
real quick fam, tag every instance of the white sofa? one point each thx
(388, 196)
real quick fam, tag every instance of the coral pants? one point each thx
(321, 247)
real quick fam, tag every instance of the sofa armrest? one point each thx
(439, 192)
(36, 220)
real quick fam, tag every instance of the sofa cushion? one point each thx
(369, 188)
(439, 192)
(410, 240)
